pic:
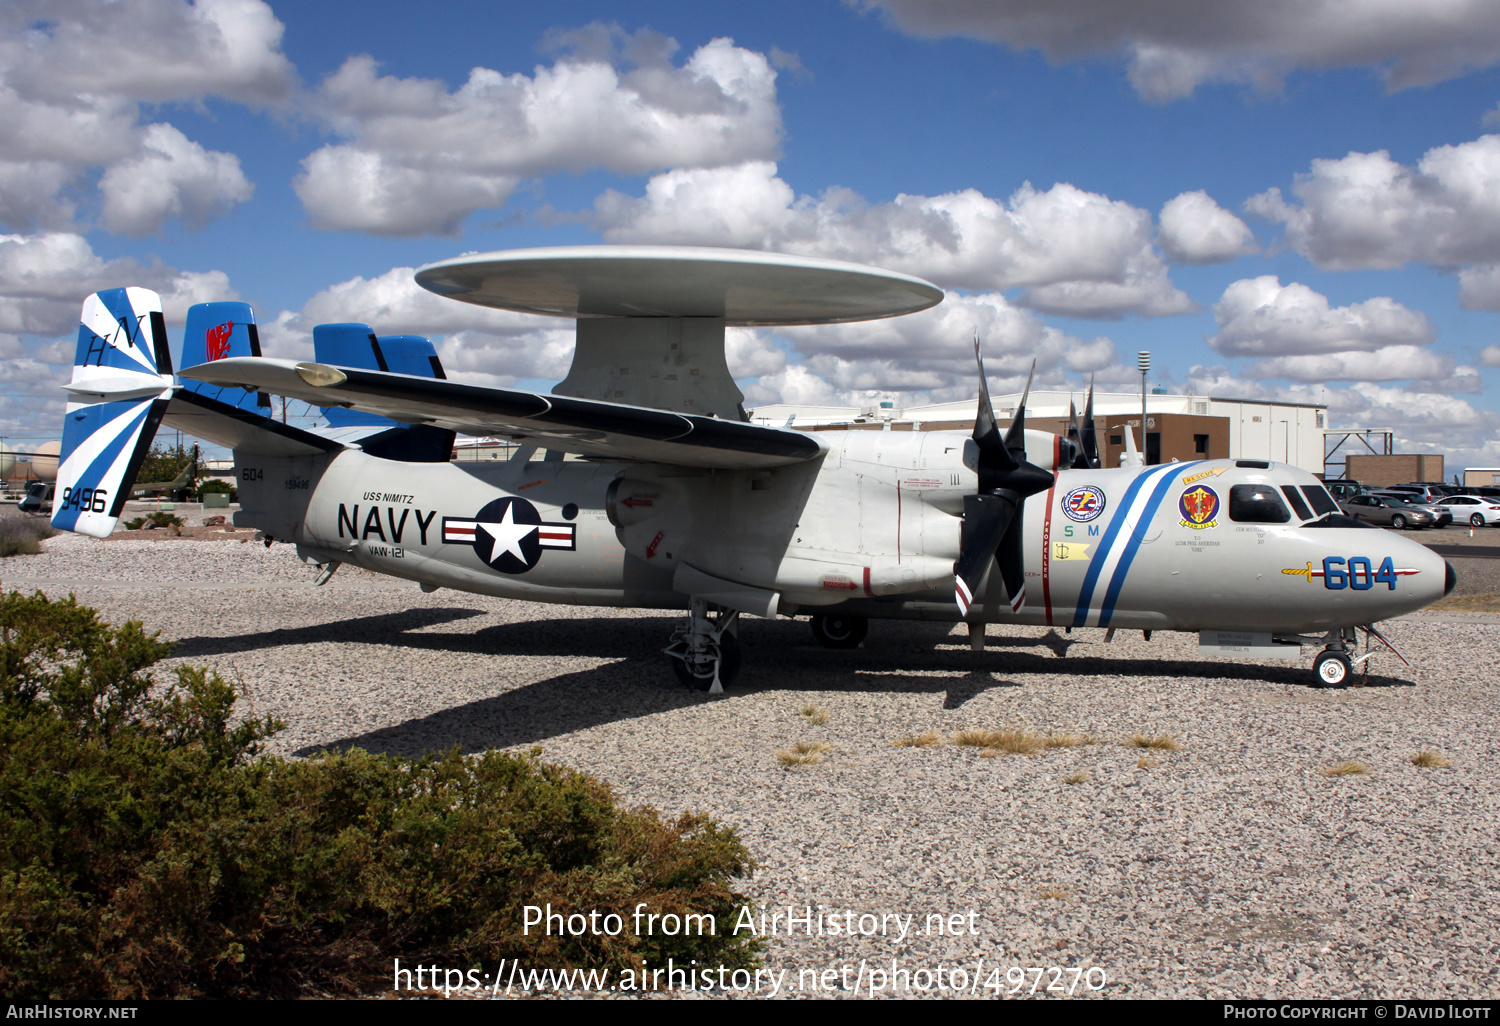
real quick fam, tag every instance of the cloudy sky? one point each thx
(1291, 198)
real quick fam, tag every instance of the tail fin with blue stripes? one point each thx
(122, 383)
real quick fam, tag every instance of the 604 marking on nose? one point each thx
(1357, 573)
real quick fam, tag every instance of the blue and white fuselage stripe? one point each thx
(1121, 539)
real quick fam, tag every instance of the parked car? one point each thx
(1379, 509)
(1474, 510)
(1342, 490)
(1442, 516)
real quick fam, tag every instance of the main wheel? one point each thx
(1332, 669)
(1398, 522)
(1477, 520)
(833, 631)
(700, 677)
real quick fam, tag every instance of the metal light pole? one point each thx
(1143, 361)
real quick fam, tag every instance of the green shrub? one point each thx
(160, 518)
(148, 849)
(22, 536)
(213, 484)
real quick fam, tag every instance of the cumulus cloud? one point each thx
(1479, 287)
(1172, 48)
(171, 177)
(422, 158)
(154, 50)
(1490, 356)
(73, 75)
(930, 354)
(44, 278)
(1196, 230)
(1392, 363)
(477, 344)
(1076, 253)
(1262, 317)
(1423, 418)
(1366, 210)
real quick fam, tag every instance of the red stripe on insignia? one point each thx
(867, 582)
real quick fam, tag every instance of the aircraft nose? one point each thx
(1451, 581)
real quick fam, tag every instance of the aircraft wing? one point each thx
(584, 426)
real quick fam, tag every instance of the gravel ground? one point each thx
(1231, 867)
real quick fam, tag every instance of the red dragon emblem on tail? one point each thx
(218, 340)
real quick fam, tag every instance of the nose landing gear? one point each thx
(1332, 668)
(1335, 665)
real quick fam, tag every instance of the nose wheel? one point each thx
(1332, 668)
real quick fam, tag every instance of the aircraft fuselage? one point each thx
(871, 529)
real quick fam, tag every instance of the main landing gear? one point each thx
(705, 651)
(835, 631)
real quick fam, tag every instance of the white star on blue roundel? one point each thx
(508, 534)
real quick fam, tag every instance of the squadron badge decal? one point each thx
(1083, 504)
(508, 534)
(1199, 506)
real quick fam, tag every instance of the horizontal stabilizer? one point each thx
(584, 426)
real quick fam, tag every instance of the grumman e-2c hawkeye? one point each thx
(679, 502)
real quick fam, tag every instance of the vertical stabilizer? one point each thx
(355, 345)
(122, 382)
(216, 331)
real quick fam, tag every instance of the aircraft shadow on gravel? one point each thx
(908, 658)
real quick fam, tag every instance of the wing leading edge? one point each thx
(584, 426)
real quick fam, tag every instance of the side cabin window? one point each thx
(1298, 506)
(1321, 501)
(1257, 504)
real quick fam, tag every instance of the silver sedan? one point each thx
(1380, 509)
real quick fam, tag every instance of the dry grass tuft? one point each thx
(1001, 742)
(1068, 739)
(1145, 762)
(1160, 744)
(924, 740)
(1014, 742)
(1348, 768)
(1080, 777)
(1430, 757)
(803, 753)
(813, 714)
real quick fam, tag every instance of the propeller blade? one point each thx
(1090, 435)
(1012, 562)
(1075, 439)
(985, 519)
(986, 431)
(1089, 438)
(1015, 438)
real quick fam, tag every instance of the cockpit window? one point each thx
(1321, 501)
(1298, 506)
(1257, 504)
